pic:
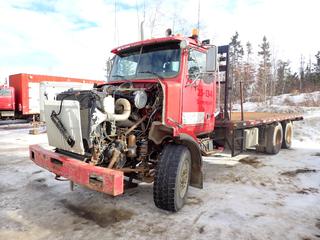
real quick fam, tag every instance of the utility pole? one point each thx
(301, 72)
(142, 22)
(198, 26)
(116, 34)
(138, 17)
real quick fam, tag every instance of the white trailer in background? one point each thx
(28, 92)
(49, 90)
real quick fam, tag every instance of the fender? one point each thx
(196, 159)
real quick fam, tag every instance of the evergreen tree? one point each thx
(302, 73)
(282, 76)
(316, 73)
(293, 81)
(317, 65)
(312, 75)
(249, 72)
(264, 78)
(236, 57)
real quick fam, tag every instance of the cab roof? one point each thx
(177, 38)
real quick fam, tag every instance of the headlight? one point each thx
(140, 99)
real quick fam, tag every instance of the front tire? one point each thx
(172, 178)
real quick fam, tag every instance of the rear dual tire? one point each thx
(287, 135)
(279, 135)
(274, 138)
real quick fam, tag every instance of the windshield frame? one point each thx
(139, 51)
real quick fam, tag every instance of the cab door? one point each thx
(198, 94)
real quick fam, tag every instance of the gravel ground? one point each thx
(254, 196)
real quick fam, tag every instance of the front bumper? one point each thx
(97, 178)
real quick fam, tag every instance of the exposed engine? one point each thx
(115, 122)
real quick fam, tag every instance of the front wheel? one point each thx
(172, 178)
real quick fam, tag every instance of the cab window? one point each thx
(5, 92)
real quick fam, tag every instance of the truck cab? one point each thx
(188, 81)
(7, 102)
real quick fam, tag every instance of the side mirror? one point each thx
(212, 59)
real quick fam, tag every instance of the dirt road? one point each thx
(256, 197)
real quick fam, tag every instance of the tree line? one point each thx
(268, 76)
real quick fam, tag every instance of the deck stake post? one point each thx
(241, 100)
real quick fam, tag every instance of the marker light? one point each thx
(184, 44)
(195, 32)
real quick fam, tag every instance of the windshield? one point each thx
(5, 92)
(147, 61)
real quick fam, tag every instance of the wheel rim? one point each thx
(289, 135)
(184, 179)
(278, 137)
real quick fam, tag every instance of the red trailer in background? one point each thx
(24, 93)
(7, 101)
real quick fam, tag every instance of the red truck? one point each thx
(7, 101)
(22, 98)
(163, 108)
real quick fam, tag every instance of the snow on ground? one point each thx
(287, 103)
(303, 99)
(254, 196)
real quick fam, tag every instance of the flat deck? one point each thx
(257, 118)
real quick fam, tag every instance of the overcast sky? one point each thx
(74, 37)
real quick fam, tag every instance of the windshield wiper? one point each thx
(153, 73)
(121, 76)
